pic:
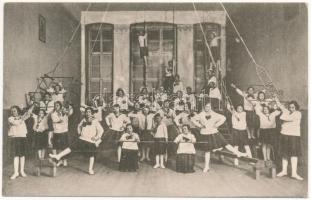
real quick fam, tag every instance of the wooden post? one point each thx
(53, 169)
(256, 171)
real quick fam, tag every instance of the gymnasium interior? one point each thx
(92, 48)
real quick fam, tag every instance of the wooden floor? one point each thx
(223, 180)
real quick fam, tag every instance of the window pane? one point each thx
(153, 35)
(153, 45)
(95, 35)
(168, 35)
(107, 34)
(95, 47)
(94, 86)
(95, 71)
(168, 45)
(107, 46)
(95, 60)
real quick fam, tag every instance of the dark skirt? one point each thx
(50, 123)
(267, 136)
(239, 137)
(86, 148)
(168, 84)
(60, 141)
(143, 51)
(172, 132)
(20, 146)
(111, 138)
(41, 140)
(159, 146)
(289, 145)
(146, 136)
(185, 163)
(129, 160)
(216, 53)
(251, 119)
(213, 141)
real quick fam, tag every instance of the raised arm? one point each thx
(240, 92)
(79, 128)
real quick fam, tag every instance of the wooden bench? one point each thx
(46, 163)
(258, 165)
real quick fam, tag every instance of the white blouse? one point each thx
(40, 125)
(183, 146)
(48, 106)
(60, 122)
(239, 120)
(176, 104)
(207, 122)
(89, 131)
(17, 127)
(130, 143)
(291, 123)
(117, 123)
(183, 118)
(191, 99)
(214, 93)
(161, 131)
(123, 102)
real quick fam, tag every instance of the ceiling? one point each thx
(75, 8)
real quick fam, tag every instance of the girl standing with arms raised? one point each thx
(18, 134)
(289, 142)
(60, 129)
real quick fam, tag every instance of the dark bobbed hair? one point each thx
(19, 110)
(295, 104)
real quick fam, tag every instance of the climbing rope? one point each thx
(261, 71)
(60, 60)
(222, 86)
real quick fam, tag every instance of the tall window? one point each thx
(202, 58)
(161, 47)
(99, 59)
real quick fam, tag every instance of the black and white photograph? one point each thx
(155, 99)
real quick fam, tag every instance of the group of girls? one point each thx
(156, 122)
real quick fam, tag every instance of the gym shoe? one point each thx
(156, 166)
(14, 176)
(206, 170)
(91, 172)
(281, 174)
(236, 162)
(162, 166)
(296, 176)
(23, 174)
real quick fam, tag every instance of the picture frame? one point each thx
(42, 28)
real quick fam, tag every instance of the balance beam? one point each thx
(258, 166)
(231, 155)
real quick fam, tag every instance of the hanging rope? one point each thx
(222, 86)
(68, 46)
(261, 71)
(100, 27)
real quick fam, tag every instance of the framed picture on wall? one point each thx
(42, 28)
